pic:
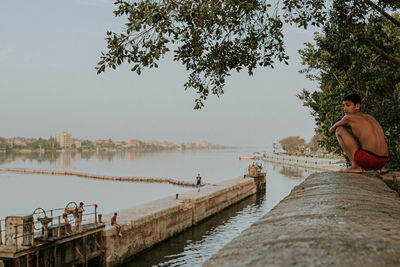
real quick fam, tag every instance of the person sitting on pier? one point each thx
(198, 182)
(65, 217)
(115, 224)
(365, 144)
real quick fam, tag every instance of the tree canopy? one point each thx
(212, 38)
(292, 144)
(346, 59)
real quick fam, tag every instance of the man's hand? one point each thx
(343, 121)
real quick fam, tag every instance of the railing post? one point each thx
(51, 215)
(59, 227)
(16, 236)
(33, 234)
(1, 236)
(95, 213)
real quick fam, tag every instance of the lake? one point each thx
(22, 193)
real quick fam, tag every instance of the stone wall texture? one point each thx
(331, 219)
(148, 224)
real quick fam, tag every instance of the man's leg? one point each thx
(349, 146)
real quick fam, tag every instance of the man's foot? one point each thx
(383, 170)
(353, 169)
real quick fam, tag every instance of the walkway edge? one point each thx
(331, 219)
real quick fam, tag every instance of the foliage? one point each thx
(212, 38)
(292, 144)
(344, 59)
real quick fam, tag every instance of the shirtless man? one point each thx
(66, 221)
(365, 145)
(78, 214)
(115, 224)
(198, 182)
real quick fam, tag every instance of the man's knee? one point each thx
(339, 130)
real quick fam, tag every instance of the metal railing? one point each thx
(309, 161)
(2, 231)
(40, 227)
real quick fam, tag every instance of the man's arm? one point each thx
(343, 121)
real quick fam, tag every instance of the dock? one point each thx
(39, 239)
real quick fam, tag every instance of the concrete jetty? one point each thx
(331, 219)
(148, 224)
(321, 164)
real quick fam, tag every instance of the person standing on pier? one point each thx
(365, 144)
(198, 182)
(78, 214)
(115, 224)
(66, 221)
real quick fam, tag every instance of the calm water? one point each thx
(22, 193)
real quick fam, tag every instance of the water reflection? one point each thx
(291, 171)
(63, 159)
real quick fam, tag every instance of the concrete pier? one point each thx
(322, 164)
(331, 219)
(145, 225)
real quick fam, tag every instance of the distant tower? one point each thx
(64, 139)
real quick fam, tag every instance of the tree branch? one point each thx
(385, 55)
(395, 2)
(384, 13)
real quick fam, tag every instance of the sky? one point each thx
(48, 84)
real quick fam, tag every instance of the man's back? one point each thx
(369, 133)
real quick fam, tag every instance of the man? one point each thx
(78, 214)
(115, 224)
(365, 145)
(198, 182)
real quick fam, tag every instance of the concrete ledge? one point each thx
(331, 219)
(145, 225)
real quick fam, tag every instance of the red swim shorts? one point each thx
(368, 160)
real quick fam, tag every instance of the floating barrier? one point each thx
(110, 178)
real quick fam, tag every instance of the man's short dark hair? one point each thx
(355, 98)
(81, 203)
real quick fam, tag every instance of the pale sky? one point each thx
(48, 84)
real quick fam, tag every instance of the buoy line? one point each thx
(109, 178)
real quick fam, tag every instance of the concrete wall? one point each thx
(150, 223)
(323, 164)
(331, 219)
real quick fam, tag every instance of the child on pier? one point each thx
(66, 221)
(114, 223)
(198, 182)
(78, 214)
(365, 144)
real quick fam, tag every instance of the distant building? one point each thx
(133, 142)
(204, 144)
(77, 143)
(64, 139)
